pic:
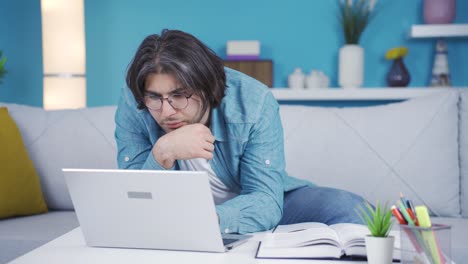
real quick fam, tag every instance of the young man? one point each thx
(183, 110)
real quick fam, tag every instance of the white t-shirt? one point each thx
(221, 192)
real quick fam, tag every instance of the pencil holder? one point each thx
(426, 245)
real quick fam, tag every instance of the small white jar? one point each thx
(296, 79)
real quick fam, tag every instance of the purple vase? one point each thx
(398, 76)
(439, 11)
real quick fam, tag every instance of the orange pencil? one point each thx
(398, 215)
(413, 217)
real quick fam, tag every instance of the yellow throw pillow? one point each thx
(20, 189)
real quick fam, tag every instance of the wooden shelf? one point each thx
(439, 31)
(357, 94)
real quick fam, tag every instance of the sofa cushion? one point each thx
(20, 190)
(22, 234)
(380, 151)
(43, 227)
(82, 138)
(464, 151)
(11, 249)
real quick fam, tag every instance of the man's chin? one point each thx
(167, 130)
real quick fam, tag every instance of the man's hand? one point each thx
(187, 142)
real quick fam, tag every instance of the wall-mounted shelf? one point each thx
(439, 31)
(358, 94)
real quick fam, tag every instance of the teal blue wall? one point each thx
(301, 33)
(21, 42)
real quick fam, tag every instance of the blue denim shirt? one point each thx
(248, 154)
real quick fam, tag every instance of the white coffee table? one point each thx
(71, 248)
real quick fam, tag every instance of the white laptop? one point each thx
(171, 210)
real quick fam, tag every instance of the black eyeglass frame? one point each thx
(154, 97)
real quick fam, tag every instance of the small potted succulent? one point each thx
(379, 245)
(2, 67)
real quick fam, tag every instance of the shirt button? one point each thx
(227, 230)
(126, 158)
(267, 162)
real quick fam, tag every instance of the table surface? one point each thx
(71, 248)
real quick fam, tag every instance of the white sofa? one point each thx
(418, 147)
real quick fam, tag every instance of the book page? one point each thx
(351, 234)
(353, 242)
(300, 235)
(298, 227)
(316, 251)
(302, 240)
(352, 238)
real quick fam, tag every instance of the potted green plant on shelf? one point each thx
(379, 245)
(354, 16)
(3, 72)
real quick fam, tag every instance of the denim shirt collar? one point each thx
(218, 125)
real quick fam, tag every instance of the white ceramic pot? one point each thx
(351, 66)
(379, 249)
(296, 80)
(313, 80)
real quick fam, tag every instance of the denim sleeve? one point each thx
(133, 143)
(262, 167)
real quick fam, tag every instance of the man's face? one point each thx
(169, 118)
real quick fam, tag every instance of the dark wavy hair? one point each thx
(177, 53)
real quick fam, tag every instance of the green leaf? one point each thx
(3, 72)
(378, 220)
(2, 62)
(354, 19)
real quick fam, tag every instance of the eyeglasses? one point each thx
(177, 101)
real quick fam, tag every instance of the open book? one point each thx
(315, 240)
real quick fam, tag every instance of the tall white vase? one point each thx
(351, 66)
